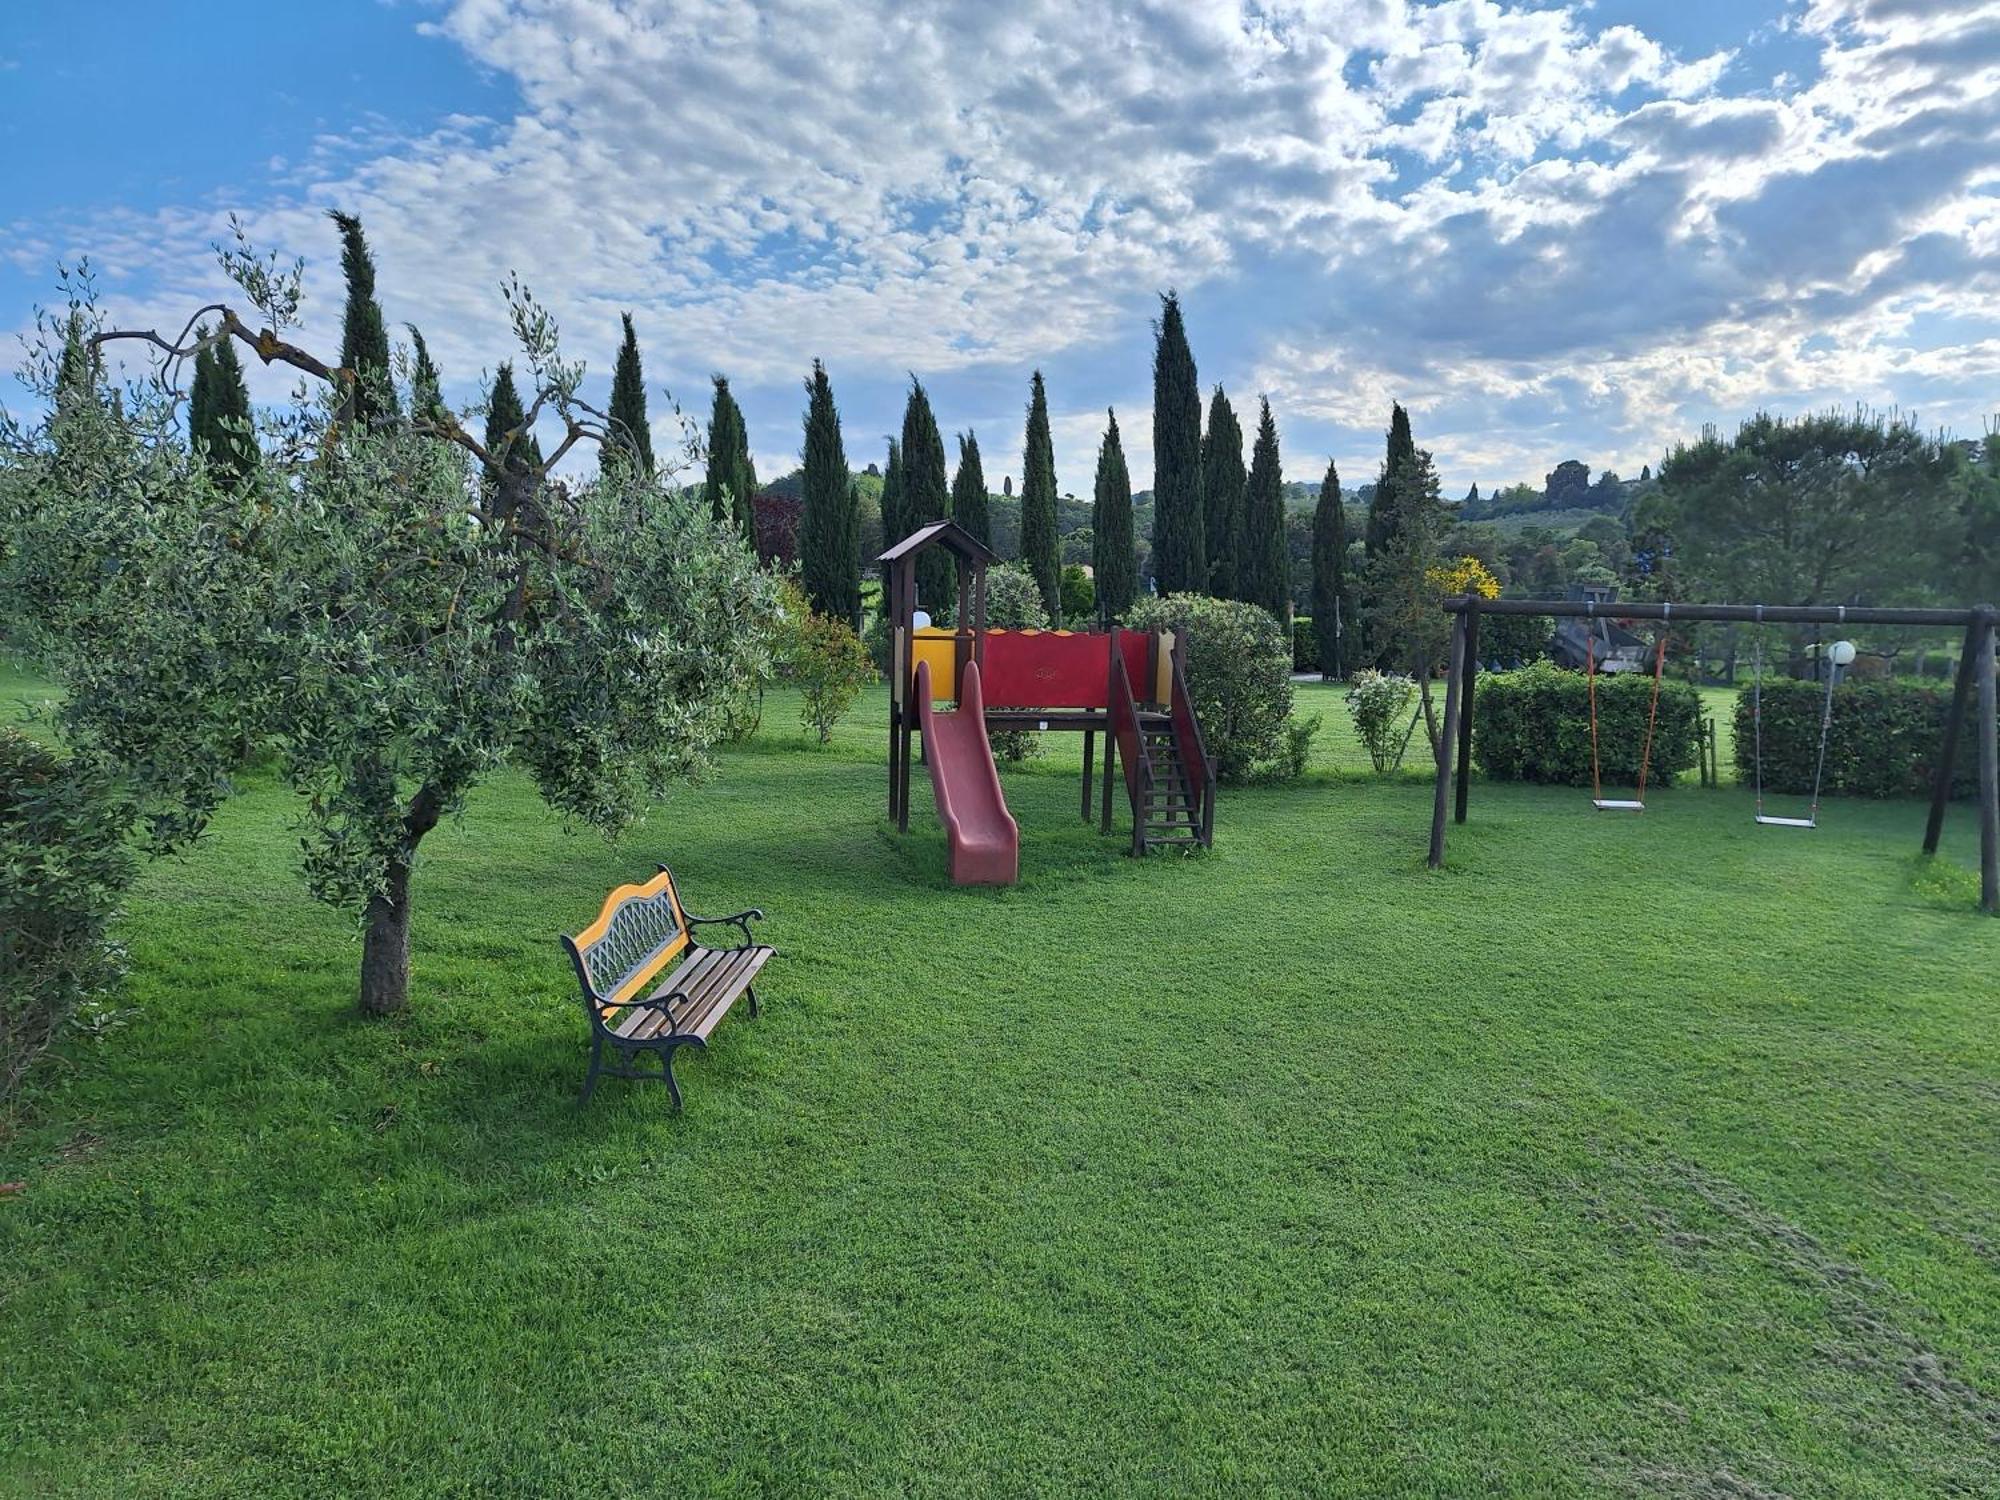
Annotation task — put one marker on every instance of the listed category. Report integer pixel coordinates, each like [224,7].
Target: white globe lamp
[1841,653]
[921,620]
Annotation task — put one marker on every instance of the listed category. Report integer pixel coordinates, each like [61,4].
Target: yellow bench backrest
[640,930]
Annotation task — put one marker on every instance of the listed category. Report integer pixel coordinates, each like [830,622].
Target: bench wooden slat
[713,979]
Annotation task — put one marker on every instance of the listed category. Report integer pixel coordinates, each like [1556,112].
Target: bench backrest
[639,931]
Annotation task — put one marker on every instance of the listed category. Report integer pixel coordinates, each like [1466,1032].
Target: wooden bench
[640,930]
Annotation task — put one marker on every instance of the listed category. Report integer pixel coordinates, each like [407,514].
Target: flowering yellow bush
[1467,575]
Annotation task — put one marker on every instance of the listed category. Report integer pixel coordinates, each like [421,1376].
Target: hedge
[1884,741]
[1305,645]
[1239,676]
[1534,725]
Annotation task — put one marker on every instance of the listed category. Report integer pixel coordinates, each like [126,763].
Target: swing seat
[1771,822]
[1612,804]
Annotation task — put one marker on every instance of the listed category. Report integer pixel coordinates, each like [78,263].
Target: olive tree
[389,605]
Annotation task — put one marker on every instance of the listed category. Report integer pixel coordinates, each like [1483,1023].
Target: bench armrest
[740,920]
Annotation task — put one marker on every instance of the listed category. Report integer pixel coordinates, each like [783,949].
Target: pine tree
[1039,543]
[1113,563]
[1330,607]
[364,337]
[895,518]
[1179,529]
[426,385]
[1222,482]
[1263,572]
[231,443]
[927,497]
[633,435]
[1382,511]
[830,526]
[968,490]
[732,478]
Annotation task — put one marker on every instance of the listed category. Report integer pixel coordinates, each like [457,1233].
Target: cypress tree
[732,478]
[1179,528]
[201,394]
[830,526]
[426,385]
[1383,516]
[1329,594]
[231,443]
[895,519]
[1222,482]
[968,490]
[927,497]
[504,413]
[1039,544]
[1263,574]
[1113,564]
[632,433]
[364,337]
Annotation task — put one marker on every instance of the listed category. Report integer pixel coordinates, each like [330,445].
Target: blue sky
[1553,230]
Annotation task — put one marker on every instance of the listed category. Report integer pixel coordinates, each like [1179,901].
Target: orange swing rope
[1652,717]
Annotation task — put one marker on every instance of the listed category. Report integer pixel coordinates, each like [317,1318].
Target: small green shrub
[1079,597]
[831,667]
[1511,641]
[63,867]
[1305,645]
[1379,703]
[1884,742]
[1534,725]
[1240,678]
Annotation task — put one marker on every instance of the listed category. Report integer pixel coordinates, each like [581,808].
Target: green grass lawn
[1651,1156]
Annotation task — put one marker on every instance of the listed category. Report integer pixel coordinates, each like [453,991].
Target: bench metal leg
[596,1067]
[667,1071]
[750,994]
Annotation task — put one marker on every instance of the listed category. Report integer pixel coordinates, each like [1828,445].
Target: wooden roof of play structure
[947,534]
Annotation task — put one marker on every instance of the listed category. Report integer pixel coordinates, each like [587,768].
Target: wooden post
[1961,692]
[1447,741]
[1989,773]
[1470,674]
[1089,746]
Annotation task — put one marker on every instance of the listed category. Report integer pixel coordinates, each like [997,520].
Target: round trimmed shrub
[1240,678]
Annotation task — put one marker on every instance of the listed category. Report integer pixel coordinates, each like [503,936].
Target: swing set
[1976,676]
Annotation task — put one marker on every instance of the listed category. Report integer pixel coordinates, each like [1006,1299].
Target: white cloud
[1600,247]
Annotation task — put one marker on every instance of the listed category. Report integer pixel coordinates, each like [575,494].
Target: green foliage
[1534,725]
[1514,640]
[426,384]
[219,416]
[824,659]
[1262,574]
[1114,565]
[631,433]
[1079,596]
[1239,673]
[1405,626]
[512,443]
[1827,508]
[731,480]
[64,868]
[1180,531]
[1331,608]
[1305,645]
[968,490]
[1386,511]
[1884,741]
[393,635]
[896,523]
[830,523]
[1379,705]
[927,498]
[1039,536]
[1223,481]
[364,337]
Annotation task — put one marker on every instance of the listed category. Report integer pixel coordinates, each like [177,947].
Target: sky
[1551,230]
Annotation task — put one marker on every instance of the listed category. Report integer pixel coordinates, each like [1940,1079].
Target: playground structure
[1976,668]
[1128,686]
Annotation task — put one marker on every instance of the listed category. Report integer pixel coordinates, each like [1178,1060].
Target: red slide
[984,839]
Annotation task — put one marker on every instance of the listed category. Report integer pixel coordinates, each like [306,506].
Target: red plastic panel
[1138,648]
[1046,669]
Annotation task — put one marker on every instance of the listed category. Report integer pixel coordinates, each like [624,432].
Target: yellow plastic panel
[940,649]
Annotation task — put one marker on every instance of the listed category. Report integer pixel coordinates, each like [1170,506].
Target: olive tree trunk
[385,936]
